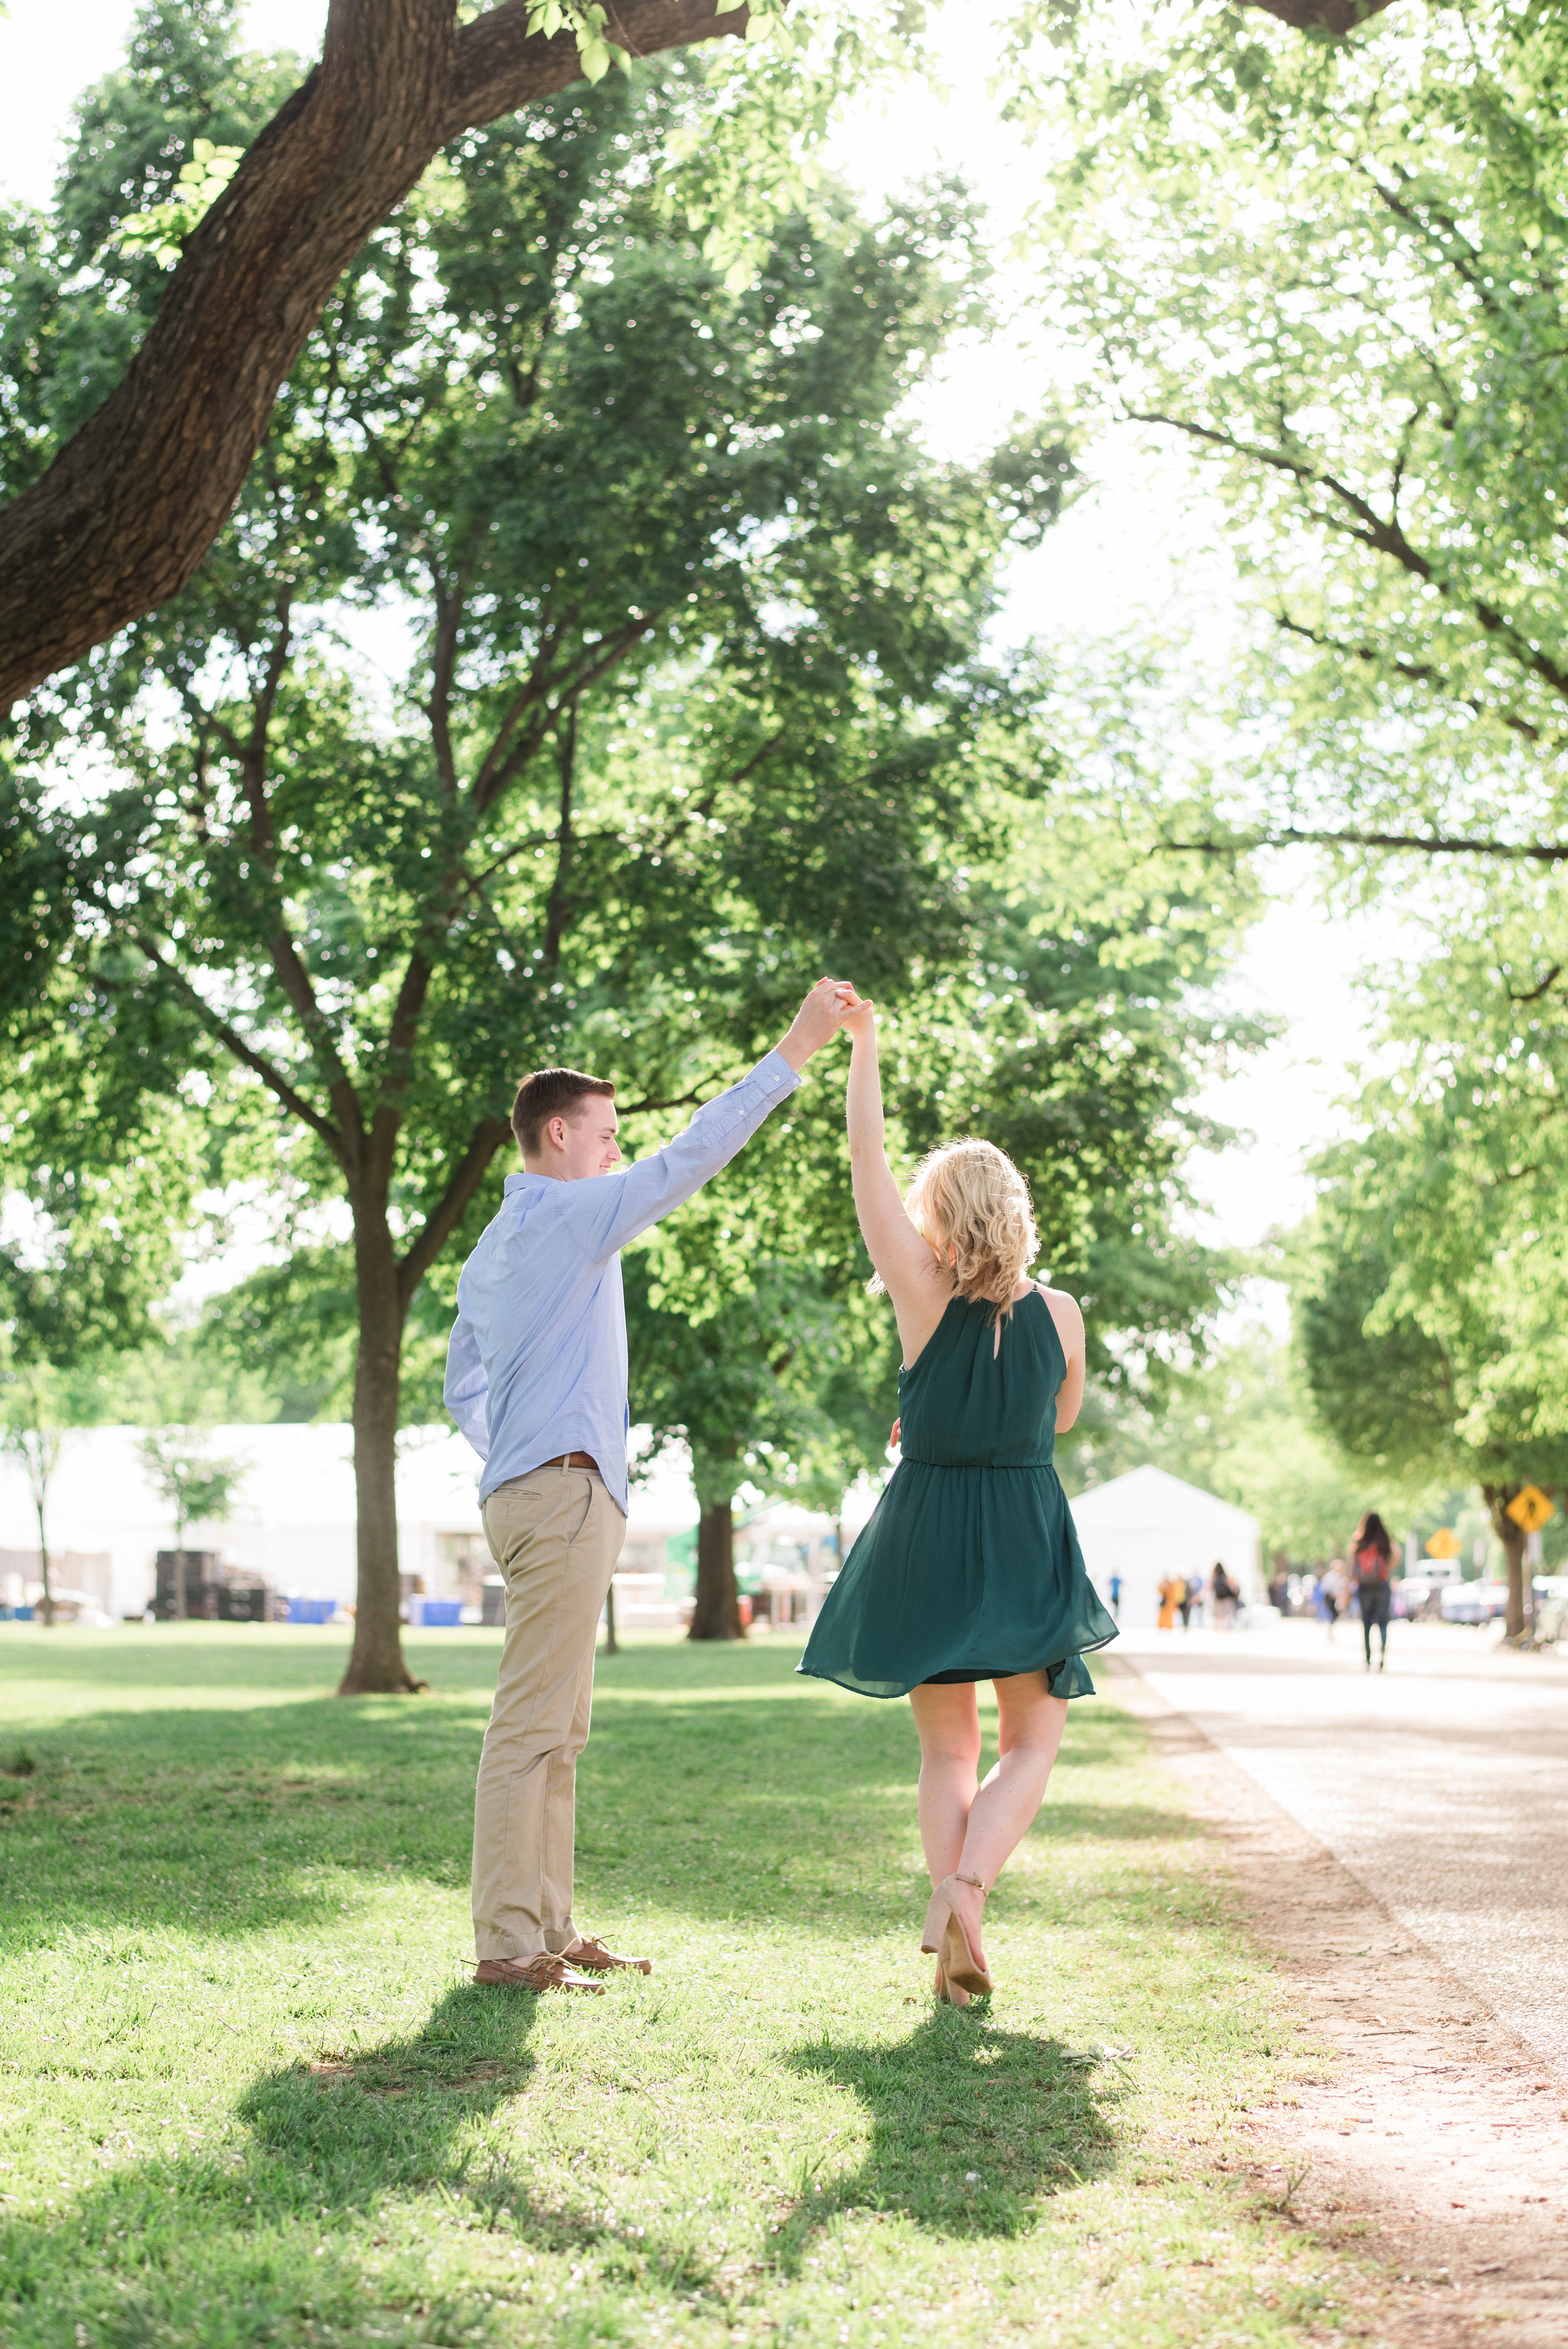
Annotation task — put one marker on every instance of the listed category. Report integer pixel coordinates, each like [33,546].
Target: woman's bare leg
[1032,1722]
[948,1720]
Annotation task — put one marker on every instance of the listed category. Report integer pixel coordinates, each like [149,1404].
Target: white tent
[1148,1524]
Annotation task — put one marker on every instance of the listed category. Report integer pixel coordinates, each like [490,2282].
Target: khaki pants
[556,1535]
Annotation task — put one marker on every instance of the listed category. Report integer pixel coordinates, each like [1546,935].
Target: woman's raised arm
[915,1277]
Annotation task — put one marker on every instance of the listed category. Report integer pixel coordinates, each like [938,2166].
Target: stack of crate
[214,1593]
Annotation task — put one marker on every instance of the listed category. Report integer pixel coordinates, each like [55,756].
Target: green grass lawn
[248,2095]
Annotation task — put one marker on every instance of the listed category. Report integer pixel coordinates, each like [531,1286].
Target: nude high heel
[945,1937]
[948,1992]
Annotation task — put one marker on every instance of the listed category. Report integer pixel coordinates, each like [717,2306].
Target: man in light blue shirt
[537,1379]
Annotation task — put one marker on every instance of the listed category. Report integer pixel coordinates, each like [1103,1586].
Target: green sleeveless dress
[969,1569]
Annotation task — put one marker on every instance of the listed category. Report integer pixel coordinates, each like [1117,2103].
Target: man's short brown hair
[547,1094]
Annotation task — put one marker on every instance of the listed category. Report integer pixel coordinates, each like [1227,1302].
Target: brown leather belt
[572,1460]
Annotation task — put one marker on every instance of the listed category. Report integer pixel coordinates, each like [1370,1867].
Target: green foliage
[1071,1034]
[77,294]
[690,694]
[189,1477]
[1431,1298]
[686,704]
[163,230]
[749,1329]
[92,1244]
[1244,1425]
[1337,274]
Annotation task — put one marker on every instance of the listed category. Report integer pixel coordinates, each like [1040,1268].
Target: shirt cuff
[776,1073]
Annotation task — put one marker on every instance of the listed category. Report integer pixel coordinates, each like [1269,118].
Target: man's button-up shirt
[536,1365]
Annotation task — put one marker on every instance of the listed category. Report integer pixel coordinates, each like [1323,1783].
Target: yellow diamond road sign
[1532,1508]
[1444,1542]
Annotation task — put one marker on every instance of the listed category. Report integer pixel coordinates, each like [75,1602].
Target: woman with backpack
[1371,1562]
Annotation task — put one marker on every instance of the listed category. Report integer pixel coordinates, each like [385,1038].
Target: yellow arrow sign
[1532,1508]
[1444,1542]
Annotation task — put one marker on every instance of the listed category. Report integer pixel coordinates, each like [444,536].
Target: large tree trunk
[134,501]
[375,1665]
[717,1612]
[1512,1537]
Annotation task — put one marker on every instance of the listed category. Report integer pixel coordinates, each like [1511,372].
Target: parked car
[1474,1602]
[1421,1593]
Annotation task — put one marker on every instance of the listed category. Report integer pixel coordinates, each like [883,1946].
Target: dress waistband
[999,1467]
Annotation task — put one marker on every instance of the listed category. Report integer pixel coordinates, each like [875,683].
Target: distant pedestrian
[1184,1604]
[1170,1589]
[1371,1567]
[1225,1594]
[1333,1590]
[1116,1597]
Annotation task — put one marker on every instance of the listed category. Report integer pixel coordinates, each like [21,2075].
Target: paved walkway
[1441,1784]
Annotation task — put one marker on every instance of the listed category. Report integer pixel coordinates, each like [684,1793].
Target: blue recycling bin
[438,1614]
[312,1610]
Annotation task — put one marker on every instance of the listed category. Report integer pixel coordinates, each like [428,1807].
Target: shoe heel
[959,1962]
[937,1916]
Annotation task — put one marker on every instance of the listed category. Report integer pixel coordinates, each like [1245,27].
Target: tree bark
[1513,1551]
[134,501]
[1512,1537]
[717,1612]
[375,1663]
[47,1598]
[1337,16]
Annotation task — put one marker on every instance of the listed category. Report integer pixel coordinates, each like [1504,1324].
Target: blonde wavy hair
[970,1199]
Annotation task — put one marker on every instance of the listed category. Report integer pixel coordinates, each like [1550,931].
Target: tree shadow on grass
[273,2239]
[970,2126]
[230,1822]
[267,2240]
[717,1786]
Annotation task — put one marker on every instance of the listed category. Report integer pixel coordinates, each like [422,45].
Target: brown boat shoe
[546,1971]
[590,1952]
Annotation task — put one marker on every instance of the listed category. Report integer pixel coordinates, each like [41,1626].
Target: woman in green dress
[969,1569]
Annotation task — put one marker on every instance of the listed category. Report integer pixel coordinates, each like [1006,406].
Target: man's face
[584,1143]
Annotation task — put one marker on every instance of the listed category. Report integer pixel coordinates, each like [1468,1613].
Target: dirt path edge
[1438,2142]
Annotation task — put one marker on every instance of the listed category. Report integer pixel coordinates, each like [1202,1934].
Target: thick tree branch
[398,1062]
[288,965]
[501,766]
[134,501]
[1527,852]
[556,908]
[1338,16]
[1369,529]
[271,1075]
[1418,672]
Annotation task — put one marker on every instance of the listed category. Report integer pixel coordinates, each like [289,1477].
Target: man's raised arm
[613,1209]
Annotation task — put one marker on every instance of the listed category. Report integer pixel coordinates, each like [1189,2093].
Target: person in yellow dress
[1172,1590]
